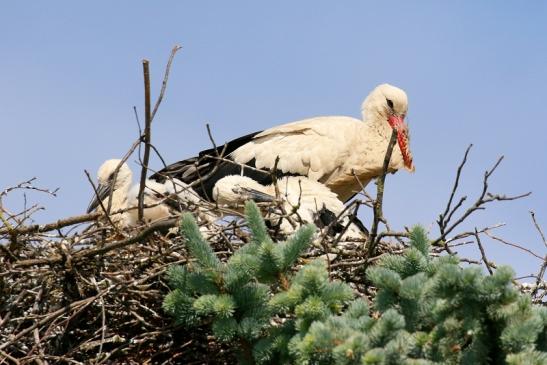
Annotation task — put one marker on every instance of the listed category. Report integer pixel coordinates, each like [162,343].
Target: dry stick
[370,204]
[540,275]
[483,254]
[101,250]
[543,267]
[148,117]
[27,185]
[443,220]
[287,216]
[9,357]
[9,228]
[469,234]
[210,134]
[445,217]
[117,169]
[146,136]
[61,223]
[378,214]
[103,320]
[50,316]
[484,198]
[175,49]
[350,222]
[101,202]
[513,245]
[533,214]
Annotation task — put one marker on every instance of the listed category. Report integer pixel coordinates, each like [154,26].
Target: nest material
[95,295]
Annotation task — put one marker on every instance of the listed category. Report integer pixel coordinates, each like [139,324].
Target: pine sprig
[198,247]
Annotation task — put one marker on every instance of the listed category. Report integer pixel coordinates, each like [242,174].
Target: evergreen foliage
[426,310]
[253,300]
[431,311]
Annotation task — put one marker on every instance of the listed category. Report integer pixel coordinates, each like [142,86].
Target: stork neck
[376,123]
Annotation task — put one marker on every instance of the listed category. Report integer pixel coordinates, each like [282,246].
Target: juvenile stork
[161,200]
[341,152]
[115,185]
[305,200]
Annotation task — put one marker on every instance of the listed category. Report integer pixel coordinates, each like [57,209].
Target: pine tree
[253,300]
[430,311]
[426,310]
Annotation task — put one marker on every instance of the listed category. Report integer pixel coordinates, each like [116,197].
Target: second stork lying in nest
[301,199]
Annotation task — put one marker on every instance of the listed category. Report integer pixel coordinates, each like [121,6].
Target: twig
[484,198]
[483,254]
[210,134]
[543,267]
[146,137]
[533,214]
[165,224]
[175,49]
[378,202]
[513,245]
[148,117]
[107,215]
[540,275]
[103,320]
[442,222]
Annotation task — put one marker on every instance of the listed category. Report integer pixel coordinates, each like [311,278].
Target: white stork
[341,152]
[305,200]
[161,200]
[109,184]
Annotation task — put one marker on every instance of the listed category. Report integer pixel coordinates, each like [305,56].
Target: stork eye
[389,103]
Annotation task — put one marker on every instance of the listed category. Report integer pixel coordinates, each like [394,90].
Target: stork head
[236,189]
[108,181]
[387,106]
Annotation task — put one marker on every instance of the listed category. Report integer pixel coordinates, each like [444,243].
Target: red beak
[397,122]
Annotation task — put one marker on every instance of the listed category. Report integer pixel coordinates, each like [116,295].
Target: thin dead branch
[372,241]
[146,137]
[484,198]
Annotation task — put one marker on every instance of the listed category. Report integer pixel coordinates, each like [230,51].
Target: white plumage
[117,186]
[341,152]
[337,150]
[309,201]
[161,200]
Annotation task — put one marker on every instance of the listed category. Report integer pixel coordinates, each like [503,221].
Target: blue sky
[474,72]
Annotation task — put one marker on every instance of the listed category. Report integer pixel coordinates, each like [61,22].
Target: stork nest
[78,293]
[80,290]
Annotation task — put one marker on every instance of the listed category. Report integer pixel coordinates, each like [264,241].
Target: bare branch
[505,242]
[378,213]
[87,253]
[456,183]
[105,211]
[484,198]
[483,253]
[533,214]
[146,137]
[175,49]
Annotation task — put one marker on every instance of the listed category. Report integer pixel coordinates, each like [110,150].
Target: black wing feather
[204,170]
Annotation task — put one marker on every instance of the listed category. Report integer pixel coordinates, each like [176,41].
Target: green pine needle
[256,223]
[198,247]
